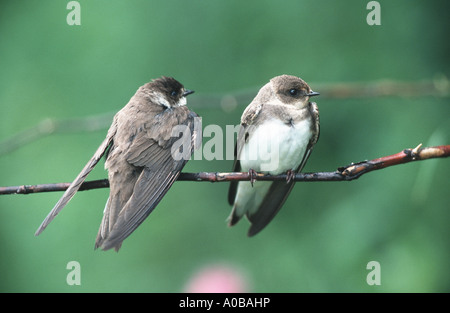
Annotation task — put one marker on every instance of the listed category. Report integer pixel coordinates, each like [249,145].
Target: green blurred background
[323,238]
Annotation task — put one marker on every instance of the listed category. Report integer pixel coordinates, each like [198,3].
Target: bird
[149,142]
[277,133]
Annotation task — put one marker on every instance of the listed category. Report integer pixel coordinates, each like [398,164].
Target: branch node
[417,149]
[24,189]
[413,154]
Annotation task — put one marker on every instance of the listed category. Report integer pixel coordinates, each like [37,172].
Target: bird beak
[187,92]
[313,93]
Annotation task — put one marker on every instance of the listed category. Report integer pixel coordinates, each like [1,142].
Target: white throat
[181,102]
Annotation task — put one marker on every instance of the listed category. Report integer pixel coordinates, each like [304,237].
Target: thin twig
[52,126]
[346,173]
[438,87]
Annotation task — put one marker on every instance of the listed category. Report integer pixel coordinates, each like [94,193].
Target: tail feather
[234,217]
[75,185]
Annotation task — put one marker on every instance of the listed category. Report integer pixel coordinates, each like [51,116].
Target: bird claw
[252,174]
[290,174]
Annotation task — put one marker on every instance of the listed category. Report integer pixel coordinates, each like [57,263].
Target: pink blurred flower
[217,279]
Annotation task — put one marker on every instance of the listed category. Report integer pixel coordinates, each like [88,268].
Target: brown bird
[147,146]
[279,129]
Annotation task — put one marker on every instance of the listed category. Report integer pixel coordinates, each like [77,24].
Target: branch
[346,173]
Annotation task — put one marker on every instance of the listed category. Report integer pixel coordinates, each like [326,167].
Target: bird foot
[252,174]
[290,174]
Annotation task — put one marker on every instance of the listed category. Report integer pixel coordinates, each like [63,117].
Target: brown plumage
[139,158]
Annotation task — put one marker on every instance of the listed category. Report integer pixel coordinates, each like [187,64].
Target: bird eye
[293,92]
[173,93]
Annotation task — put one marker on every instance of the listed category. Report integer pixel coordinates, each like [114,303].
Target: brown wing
[237,164]
[160,170]
[75,185]
[247,120]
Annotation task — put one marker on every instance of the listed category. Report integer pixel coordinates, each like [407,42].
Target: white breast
[276,147]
